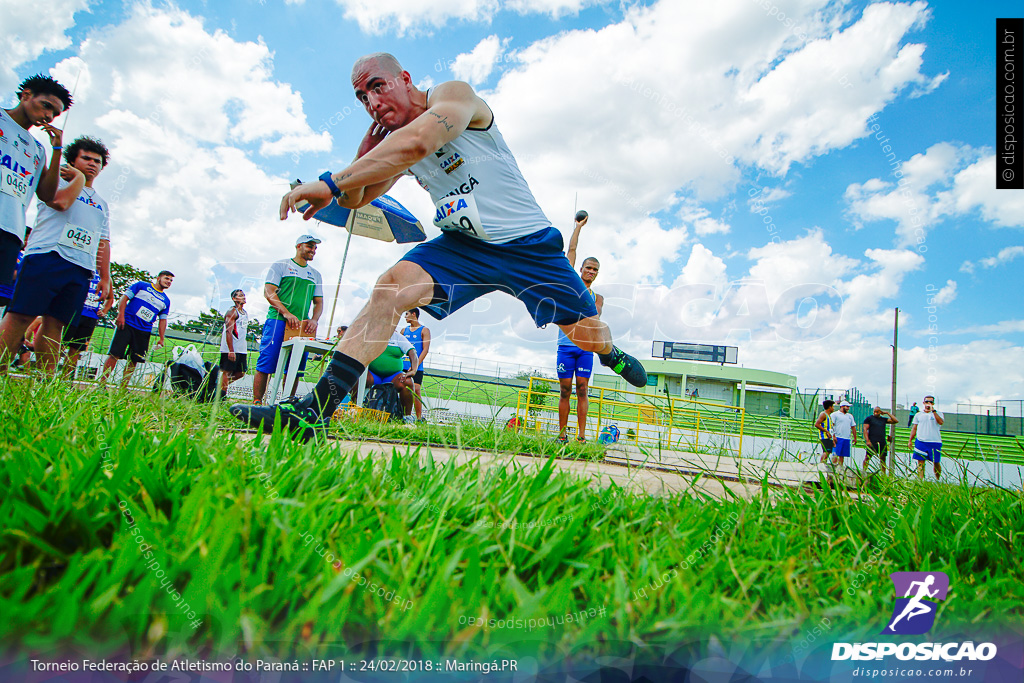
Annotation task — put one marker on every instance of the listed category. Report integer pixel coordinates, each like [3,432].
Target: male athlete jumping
[494,235]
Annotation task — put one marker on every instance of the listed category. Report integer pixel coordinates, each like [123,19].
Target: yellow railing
[654,420]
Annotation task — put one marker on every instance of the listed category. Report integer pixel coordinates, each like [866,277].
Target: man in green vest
[388,367]
[292,286]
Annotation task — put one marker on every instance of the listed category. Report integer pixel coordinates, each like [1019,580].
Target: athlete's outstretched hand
[581,223]
[316,193]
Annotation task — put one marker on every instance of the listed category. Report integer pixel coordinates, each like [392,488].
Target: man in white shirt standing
[23,167]
[71,237]
[925,439]
[234,349]
[846,434]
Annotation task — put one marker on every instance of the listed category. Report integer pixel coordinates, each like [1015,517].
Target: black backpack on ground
[186,381]
[384,397]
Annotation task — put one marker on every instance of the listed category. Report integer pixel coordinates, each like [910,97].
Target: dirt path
[656,478]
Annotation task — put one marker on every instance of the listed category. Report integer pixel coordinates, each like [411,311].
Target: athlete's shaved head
[384,60]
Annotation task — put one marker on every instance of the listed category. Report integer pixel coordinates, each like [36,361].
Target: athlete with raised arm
[494,235]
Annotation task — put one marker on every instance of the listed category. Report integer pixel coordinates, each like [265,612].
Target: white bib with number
[145,314]
[13,184]
[78,237]
[459,213]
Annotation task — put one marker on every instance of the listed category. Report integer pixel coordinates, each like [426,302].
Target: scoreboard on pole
[710,353]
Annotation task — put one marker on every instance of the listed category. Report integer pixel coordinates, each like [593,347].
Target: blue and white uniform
[928,438]
[91,307]
[494,235]
[22,162]
[843,422]
[145,305]
[415,338]
[572,360]
[60,257]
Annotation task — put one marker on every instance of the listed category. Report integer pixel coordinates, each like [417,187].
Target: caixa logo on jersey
[917,598]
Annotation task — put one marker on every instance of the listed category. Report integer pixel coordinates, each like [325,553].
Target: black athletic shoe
[301,421]
[561,439]
[625,366]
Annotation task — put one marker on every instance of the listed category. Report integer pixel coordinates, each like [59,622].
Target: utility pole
[892,428]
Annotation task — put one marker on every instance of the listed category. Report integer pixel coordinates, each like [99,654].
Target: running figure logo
[914,613]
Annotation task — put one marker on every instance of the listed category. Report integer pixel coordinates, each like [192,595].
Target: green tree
[123,276]
[211,322]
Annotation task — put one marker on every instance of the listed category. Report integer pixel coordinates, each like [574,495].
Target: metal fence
[676,423]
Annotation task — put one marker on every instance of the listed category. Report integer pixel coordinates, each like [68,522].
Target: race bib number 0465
[13,184]
[459,213]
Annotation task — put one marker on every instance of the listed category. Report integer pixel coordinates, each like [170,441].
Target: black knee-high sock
[342,374]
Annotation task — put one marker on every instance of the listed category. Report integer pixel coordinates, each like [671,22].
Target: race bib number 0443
[77,237]
[459,213]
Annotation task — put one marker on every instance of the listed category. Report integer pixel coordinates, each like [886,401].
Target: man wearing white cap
[291,286]
[925,438]
[846,427]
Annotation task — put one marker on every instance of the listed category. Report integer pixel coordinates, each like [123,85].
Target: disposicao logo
[917,596]
[914,613]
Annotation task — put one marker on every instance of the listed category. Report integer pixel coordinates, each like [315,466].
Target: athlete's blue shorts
[50,285]
[927,450]
[377,379]
[533,269]
[572,360]
[270,345]
[842,449]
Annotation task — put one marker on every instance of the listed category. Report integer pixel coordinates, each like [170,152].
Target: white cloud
[831,85]
[945,181]
[164,67]
[974,189]
[945,295]
[414,16]
[187,113]
[30,30]
[1001,327]
[761,197]
[670,74]
[553,8]
[906,199]
[1004,256]
[474,67]
[700,218]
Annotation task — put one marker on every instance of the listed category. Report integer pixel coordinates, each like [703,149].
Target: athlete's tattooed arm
[454,105]
[442,121]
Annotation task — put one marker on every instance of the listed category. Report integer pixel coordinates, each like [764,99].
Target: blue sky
[211,107]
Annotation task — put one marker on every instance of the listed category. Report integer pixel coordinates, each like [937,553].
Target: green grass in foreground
[492,437]
[242,549]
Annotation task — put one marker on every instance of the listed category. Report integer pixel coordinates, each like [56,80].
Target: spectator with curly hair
[70,240]
[23,167]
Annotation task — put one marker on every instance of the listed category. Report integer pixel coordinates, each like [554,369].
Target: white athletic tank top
[21,162]
[478,189]
[238,339]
